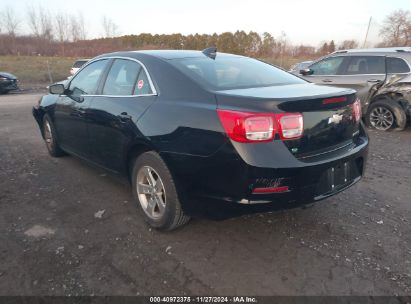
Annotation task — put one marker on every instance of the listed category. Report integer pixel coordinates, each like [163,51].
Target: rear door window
[328,66]
[361,65]
[397,65]
[142,86]
[122,78]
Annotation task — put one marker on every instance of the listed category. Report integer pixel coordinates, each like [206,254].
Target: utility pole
[366,34]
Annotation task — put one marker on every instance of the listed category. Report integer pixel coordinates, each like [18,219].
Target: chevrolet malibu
[186,126]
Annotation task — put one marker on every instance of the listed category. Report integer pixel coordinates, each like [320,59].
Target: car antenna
[210,52]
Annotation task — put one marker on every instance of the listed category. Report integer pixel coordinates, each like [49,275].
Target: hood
[7,75]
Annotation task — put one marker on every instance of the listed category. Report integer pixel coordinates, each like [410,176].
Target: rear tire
[49,135]
[155,191]
[385,115]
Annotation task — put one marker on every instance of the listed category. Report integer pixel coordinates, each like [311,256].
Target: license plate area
[337,177]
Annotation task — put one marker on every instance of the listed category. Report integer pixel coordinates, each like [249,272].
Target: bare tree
[10,21]
[109,27]
[46,23]
[396,29]
[62,27]
[40,22]
[78,27]
[348,44]
[33,21]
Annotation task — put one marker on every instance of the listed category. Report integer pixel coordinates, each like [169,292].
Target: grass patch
[34,69]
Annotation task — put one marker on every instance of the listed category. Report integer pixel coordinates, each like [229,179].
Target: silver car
[381,77]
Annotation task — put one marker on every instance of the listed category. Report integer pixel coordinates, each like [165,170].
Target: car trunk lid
[327,112]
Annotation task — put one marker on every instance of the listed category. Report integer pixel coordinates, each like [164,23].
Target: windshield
[229,72]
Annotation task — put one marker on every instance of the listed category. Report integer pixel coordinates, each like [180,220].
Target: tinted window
[397,65]
[142,86]
[86,81]
[225,72]
[122,77]
[328,66]
[365,65]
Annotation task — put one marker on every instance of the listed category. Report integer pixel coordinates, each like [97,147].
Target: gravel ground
[71,229]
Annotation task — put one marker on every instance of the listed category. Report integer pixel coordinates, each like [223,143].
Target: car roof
[397,50]
[168,54]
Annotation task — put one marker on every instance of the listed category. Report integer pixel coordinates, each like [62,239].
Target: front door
[125,95]
[71,112]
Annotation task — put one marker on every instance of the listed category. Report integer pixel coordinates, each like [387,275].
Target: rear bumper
[8,85]
[229,176]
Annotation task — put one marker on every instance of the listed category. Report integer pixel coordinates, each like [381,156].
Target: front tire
[385,115]
[155,191]
[49,135]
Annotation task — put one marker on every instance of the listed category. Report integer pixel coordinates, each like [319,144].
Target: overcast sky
[303,21]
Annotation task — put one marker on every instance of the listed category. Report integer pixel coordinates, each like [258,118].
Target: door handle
[327,80]
[124,117]
[374,80]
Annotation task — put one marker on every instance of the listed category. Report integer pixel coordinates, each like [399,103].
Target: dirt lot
[52,243]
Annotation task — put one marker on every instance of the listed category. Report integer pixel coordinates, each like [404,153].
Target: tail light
[260,127]
[290,125]
[356,110]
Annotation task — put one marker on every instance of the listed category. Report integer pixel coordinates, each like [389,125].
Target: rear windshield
[78,64]
[225,73]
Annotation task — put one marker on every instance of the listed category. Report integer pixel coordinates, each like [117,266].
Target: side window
[122,78]
[397,65]
[86,81]
[328,66]
[142,86]
[366,65]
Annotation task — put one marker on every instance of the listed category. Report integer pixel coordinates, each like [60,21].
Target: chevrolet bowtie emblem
[335,119]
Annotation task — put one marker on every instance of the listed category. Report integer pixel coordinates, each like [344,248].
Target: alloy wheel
[151,192]
[381,118]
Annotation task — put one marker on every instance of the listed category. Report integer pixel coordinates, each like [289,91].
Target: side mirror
[306,72]
[57,89]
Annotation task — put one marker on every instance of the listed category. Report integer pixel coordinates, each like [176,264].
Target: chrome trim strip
[117,96]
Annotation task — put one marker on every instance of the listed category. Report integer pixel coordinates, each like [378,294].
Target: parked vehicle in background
[381,77]
[77,66]
[296,68]
[188,125]
[8,82]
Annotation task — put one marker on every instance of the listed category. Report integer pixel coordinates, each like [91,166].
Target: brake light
[356,110]
[335,100]
[290,125]
[260,127]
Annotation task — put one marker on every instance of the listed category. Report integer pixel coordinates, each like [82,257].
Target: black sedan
[8,82]
[186,126]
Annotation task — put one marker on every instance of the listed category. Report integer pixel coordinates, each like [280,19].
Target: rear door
[123,97]
[70,116]
[361,73]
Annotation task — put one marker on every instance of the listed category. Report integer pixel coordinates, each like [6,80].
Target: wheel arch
[134,151]
[397,99]
[40,113]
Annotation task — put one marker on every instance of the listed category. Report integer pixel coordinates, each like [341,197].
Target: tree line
[63,34]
